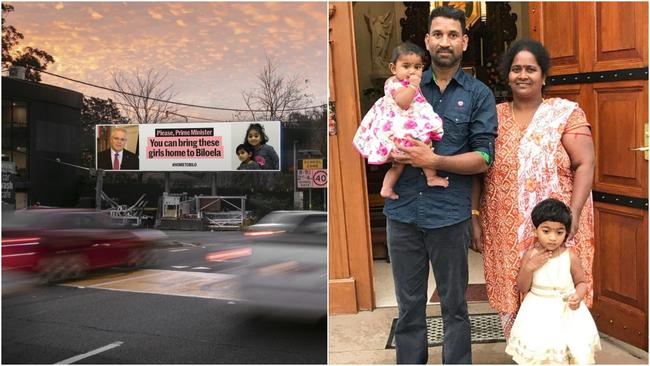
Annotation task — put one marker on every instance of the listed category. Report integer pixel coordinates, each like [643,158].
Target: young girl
[402,112]
[245,155]
[553,324]
[263,154]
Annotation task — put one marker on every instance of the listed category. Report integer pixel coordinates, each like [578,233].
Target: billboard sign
[188,147]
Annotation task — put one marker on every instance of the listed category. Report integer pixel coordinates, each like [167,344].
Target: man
[432,223]
[117,158]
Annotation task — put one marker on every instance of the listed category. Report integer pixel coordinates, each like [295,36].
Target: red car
[60,244]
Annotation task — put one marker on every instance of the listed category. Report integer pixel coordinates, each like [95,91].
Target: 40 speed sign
[312,178]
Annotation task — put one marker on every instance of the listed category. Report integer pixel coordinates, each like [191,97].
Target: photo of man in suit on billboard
[117,157]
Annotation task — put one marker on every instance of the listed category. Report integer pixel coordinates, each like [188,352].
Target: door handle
[643,149]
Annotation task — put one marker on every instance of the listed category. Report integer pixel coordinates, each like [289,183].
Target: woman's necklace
[522,125]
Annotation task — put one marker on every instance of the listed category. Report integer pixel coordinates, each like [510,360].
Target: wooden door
[599,56]
[350,262]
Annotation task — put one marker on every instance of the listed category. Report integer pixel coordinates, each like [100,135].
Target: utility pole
[295,176]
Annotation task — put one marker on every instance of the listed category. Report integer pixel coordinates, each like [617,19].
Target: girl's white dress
[386,124]
[546,330]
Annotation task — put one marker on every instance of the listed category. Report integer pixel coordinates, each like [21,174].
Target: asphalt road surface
[181,311]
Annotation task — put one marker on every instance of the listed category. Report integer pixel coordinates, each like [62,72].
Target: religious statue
[380,28]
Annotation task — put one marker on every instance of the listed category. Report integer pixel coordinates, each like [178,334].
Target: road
[183,310]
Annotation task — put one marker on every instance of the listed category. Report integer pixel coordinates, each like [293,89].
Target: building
[40,125]
[600,57]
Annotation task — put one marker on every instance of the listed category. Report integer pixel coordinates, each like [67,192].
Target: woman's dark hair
[536,48]
[260,129]
[407,48]
[551,209]
[448,12]
[245,147]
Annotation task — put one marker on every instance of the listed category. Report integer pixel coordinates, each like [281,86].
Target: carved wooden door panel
[599,55]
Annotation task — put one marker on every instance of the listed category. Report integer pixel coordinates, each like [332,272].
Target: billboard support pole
[214,184]
[98,189]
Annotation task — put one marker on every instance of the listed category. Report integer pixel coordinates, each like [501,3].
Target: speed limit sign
[319,178]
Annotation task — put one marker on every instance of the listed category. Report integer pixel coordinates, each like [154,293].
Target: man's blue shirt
[468,111]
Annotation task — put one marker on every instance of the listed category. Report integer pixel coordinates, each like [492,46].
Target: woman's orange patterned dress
[530,165]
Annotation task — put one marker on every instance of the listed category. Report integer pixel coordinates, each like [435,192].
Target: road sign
[312,163]
[304,178]
[312,178]
[319,178]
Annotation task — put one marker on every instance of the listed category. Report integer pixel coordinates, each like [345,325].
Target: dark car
[284,262]
[60,244]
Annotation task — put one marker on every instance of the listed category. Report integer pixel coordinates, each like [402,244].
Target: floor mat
[475,292]
[486,328]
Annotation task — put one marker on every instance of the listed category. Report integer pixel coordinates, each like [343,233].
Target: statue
[380,28]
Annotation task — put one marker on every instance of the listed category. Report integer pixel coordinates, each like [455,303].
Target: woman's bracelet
[476,213]
[413,87]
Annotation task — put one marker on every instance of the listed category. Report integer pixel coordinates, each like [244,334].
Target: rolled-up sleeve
[483,126]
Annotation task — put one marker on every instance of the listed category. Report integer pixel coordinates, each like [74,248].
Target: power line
[167,101]
[178,114]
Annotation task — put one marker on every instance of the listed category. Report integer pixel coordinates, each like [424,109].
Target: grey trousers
[411,248]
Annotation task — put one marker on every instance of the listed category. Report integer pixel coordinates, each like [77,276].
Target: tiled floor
[361,338]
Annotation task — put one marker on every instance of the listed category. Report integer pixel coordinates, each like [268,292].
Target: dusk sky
[211,51]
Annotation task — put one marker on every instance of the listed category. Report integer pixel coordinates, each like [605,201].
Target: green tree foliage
[96,111]
[100,111]
[10,36]
[28,56]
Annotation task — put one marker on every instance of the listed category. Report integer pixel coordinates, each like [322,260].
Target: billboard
[212,146]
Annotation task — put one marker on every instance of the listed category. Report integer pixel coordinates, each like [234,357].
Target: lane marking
[200,268]
[178,250]
[88,354]
[180,267]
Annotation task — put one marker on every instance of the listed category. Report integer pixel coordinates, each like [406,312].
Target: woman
[544,149]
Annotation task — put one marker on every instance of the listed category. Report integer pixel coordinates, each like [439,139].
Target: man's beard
[449,61]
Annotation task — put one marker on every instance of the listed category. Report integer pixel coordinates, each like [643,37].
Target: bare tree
[276,95]
[147,95]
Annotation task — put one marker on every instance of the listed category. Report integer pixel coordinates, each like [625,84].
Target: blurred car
[284,262]
[60,244]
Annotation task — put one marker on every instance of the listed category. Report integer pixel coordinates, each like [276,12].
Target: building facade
[40,124]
